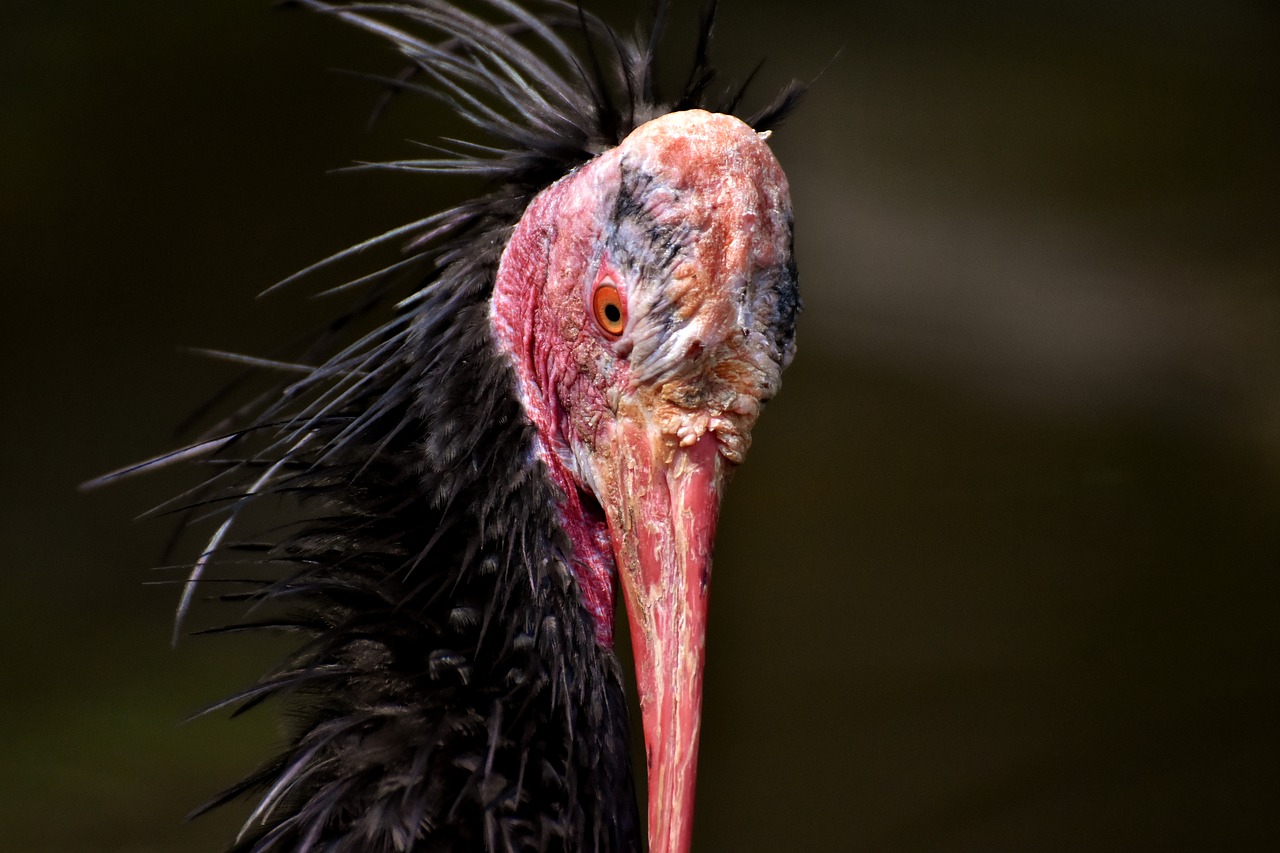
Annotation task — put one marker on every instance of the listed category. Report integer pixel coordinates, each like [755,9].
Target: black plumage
[449,692]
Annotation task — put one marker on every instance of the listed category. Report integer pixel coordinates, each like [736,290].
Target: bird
[538,404]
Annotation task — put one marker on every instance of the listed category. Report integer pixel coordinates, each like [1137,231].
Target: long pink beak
[662,517]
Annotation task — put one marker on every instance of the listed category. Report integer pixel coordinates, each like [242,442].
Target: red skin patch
[548,375]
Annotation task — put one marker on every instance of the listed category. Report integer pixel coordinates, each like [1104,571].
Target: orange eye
[610,313]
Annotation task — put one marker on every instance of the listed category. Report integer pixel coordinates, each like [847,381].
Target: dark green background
[1001,571]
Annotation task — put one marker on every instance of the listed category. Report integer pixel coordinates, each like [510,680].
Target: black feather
[451,693]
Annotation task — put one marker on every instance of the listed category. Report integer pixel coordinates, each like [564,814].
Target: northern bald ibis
[567,371]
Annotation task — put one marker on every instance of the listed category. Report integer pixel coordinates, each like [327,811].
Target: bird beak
[662,507]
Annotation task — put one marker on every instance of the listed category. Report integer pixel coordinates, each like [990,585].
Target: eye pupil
[612,313]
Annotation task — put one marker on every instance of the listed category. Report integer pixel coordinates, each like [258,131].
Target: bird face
[647,302]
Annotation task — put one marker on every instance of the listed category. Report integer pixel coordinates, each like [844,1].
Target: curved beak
[662,504]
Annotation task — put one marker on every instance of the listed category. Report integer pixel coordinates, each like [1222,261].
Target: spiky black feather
[451,693]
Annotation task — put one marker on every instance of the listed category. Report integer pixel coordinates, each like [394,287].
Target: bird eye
[608,309]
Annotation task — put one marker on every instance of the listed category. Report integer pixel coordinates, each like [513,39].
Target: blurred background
[1001,573]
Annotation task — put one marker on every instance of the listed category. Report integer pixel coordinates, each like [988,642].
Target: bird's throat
[517,323]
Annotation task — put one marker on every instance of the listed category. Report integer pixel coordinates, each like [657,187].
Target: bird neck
[519,327]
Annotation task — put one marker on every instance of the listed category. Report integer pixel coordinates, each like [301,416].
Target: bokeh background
[1001,572]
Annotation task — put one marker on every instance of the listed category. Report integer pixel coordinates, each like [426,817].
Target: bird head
[647,302]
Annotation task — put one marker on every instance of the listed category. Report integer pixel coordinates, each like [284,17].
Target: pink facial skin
[689,217]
